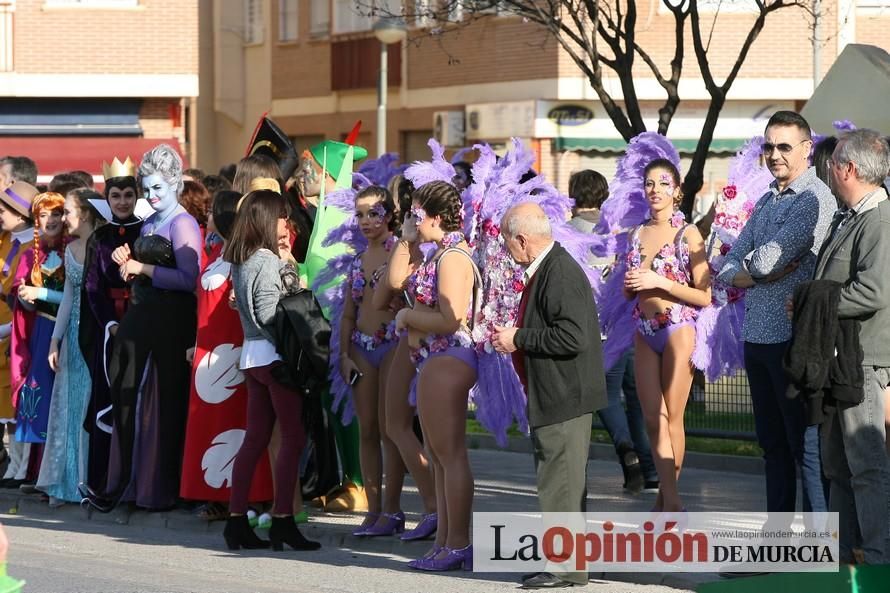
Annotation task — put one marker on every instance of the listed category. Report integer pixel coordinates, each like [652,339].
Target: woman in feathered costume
[664,275]
[367,343]
[399,411]
[496,186]
[396,417]
[442,349]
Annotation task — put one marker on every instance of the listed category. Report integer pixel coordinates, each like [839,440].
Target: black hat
[270,140]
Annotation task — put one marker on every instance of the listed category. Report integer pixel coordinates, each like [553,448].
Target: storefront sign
[570,114]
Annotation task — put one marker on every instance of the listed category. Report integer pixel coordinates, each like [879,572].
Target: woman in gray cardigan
[253,251]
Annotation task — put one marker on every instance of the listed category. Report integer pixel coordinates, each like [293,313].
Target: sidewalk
[504,482]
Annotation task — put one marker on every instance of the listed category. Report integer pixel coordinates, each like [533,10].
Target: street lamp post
[387,30]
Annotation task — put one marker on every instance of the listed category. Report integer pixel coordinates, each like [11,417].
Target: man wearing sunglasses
[776,252]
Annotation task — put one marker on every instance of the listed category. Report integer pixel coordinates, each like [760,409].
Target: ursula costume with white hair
[149,374]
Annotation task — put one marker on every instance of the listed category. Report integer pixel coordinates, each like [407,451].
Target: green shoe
[7,583]
[301,517]
[252,518]
[264,521]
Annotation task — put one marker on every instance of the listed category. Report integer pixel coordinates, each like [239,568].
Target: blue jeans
[627,426]
[782,433]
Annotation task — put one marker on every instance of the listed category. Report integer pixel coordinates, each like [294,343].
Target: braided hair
[44,202]
[441,199]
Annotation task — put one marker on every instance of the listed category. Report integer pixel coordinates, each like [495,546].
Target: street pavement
[70,550]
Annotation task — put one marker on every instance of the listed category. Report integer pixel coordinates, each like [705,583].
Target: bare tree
[601,35]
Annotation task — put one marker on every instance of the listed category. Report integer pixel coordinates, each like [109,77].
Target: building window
[423,10]
[287,19]
[320,18]
[92,3]
[253,22]
[350,18]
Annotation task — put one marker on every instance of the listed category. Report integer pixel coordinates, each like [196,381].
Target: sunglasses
[767,148]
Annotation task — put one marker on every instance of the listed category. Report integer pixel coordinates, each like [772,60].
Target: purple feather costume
[718,330]
[625,208]
[498,395]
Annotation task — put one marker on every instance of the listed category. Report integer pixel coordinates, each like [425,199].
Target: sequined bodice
[356,275]
[74,273]
[671,261]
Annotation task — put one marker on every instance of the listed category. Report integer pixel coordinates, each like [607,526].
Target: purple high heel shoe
[432,553]
[427,527]
[451,560]
[369,521]
[395,523]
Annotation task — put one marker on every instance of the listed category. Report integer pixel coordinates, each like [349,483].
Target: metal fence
[719,410]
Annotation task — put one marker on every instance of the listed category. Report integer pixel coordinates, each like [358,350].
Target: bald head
[526,232]
[526,219]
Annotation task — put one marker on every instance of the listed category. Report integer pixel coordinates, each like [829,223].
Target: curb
[606,452]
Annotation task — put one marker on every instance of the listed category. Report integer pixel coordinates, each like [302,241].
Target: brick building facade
[503,77]
[104,75]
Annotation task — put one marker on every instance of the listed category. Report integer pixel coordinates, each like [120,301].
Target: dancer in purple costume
[399,414]
[443,350]
[367,345]
[667,275]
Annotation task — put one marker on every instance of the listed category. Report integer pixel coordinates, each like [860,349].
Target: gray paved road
[91,557]
[61,551]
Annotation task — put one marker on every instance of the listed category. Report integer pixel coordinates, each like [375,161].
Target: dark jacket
[302,338]
[560,339]
[824,358]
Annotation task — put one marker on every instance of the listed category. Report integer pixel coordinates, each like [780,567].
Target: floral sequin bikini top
[424,282]
[356,275]
[671,261]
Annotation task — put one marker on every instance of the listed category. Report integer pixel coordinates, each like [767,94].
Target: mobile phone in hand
[354,376]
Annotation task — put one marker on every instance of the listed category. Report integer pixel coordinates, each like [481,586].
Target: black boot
[285,531]
[630,465]
[239,534]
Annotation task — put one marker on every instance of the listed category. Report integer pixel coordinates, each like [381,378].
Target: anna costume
[32,377]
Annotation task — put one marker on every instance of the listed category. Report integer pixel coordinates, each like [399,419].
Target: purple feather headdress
[381,170]
[437,169]
[335,295]
[624,209]
[626,205]
[718,337]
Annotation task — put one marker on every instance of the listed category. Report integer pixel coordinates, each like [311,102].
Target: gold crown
[118,169]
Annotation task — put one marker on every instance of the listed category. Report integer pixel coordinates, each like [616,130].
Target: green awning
[718,145]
